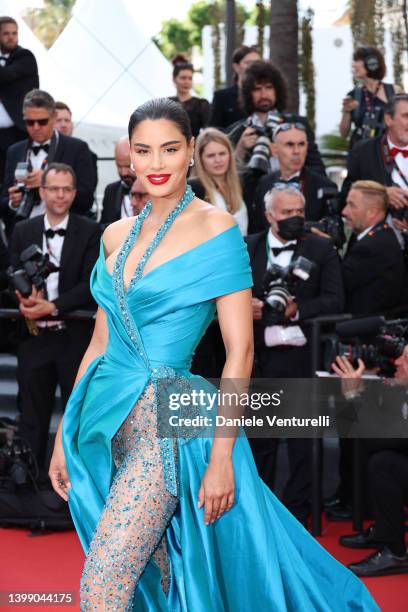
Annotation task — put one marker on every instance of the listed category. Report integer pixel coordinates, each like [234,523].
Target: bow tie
[3,59]
[294,179]
[50,233]
[395,150]
[278,250]
[41,147]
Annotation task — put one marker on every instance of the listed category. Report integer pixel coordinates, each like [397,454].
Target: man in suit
[18,75]
[373,267]
[263,96]
[44,146]
[290,146]
[282,351]
[51,354]
[384,159]
[225,108]
[116,200]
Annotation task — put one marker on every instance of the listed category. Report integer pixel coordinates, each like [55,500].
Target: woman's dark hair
[262,71]
[241,52]
[362,53]
[180,62]
[161,108]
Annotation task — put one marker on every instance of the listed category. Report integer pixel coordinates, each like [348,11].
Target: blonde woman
[215,176]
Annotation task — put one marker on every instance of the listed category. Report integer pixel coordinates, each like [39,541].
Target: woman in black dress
[198,109]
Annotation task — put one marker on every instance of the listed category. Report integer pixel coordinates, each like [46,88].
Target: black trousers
[286,362]
[8,136]
[388,477]
[45,361]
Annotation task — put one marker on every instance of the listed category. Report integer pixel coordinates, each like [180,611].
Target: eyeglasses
[137,195]
[284,127]
[54,189]
[32,122]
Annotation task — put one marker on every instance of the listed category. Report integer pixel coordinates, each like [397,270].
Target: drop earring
[191,164]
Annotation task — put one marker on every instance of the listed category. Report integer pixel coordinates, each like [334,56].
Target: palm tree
[283,45]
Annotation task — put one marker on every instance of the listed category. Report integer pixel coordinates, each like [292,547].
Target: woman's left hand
[216,493]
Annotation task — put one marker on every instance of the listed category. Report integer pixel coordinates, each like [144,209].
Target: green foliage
[367,22]
[260,23]
[199,15]
[48,22]
[307,72]
[174,38]
[333,142]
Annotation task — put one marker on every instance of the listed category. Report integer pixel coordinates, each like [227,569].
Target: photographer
[373,267]
[290,148]
[20,197]
[388,482]
[364,105]
[263,98]
[282,349]
[51,354]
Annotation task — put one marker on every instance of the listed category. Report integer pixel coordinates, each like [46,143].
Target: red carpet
[53,563]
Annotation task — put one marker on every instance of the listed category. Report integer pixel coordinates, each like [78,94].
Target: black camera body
[35,268]
[30,196]
[280,285]
[260,154]
[332,223]
[379,348]
[17,462]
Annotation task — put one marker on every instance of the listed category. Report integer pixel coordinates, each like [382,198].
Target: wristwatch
[55,312]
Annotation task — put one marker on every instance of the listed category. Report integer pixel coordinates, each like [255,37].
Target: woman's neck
[183,97]
[371,84]
[162,207]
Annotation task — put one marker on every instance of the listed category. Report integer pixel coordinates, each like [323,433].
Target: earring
[132,167]
[191,164]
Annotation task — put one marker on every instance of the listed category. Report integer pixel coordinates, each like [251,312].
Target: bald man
[116,200]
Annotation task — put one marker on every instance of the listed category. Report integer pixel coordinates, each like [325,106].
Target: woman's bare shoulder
[212,220]
[115,233]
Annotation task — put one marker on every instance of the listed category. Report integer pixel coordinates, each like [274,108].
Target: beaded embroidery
[166,444]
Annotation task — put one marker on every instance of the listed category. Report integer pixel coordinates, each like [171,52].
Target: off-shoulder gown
[133,496]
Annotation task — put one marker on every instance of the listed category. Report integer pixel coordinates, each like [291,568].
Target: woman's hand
[349,104]
[216,493]
[351,379]
[58,471]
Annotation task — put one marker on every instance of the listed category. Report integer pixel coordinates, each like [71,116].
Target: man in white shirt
[51,355]
[18,75]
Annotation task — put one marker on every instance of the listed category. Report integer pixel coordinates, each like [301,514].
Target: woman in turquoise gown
[176,525]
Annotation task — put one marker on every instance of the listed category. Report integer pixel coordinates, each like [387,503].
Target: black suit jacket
[312,181]
[79,253]
[225,108]
[366,162]
[374,274]
[321,294]
[112,202]
[66,149]
[18,77]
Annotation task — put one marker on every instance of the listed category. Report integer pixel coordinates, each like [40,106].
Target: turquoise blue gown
[257,556]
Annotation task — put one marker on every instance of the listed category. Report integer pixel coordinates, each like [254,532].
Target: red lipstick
[158,179]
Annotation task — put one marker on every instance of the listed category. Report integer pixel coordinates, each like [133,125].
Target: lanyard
[369,97]
[391,163]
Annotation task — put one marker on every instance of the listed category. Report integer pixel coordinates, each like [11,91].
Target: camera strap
[390,163]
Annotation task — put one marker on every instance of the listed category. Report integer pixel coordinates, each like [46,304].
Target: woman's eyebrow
[165,144]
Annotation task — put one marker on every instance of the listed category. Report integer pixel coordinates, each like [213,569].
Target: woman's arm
[235,319]
[58,472]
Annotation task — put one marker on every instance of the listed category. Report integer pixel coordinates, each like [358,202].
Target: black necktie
[50,233]
[37,148]
[278,250]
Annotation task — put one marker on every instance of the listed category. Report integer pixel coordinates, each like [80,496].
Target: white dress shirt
[402,163]
[283,259]
[5,119]
[241,216]
[126,209]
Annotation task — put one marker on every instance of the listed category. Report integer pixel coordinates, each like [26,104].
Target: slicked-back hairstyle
[5,19]
[161,108]
[37,98]
[392,104]
[363,52]
[262,71]
[62,106]
[58,167]
[376,193]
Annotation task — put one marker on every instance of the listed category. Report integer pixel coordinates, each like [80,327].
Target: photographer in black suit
[116,199]
[51,355]
[225,108]
[290,147]
[282,350]
[44,146]
[18,75]
[373,267]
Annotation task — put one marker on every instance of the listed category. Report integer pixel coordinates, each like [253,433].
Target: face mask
[291,228]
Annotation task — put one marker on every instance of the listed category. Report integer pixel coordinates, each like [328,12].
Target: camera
[332,223]
[26,205]
[280,285]
[261,153]
[17,461]
[35,268]
[374,340]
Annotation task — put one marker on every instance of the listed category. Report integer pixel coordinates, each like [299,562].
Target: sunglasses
[284,127]
[32,122]
[287,186]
